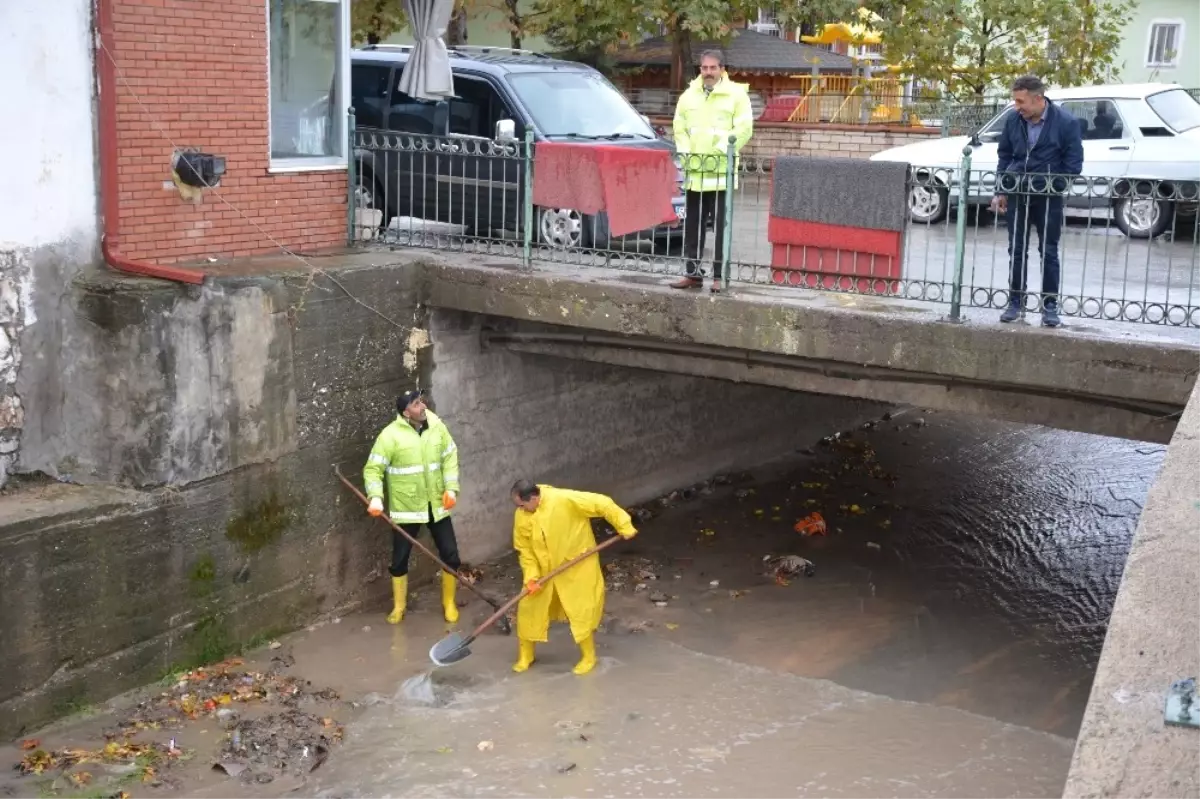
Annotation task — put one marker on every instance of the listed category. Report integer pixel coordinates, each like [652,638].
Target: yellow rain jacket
[702,127]
[559,530]
[419,469]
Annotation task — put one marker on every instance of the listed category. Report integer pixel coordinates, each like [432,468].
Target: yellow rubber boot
[524,655]
[449,585]
[587,648]
[399,599]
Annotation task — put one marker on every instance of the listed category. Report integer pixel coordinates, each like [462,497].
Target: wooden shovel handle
[416,542]
[525,590]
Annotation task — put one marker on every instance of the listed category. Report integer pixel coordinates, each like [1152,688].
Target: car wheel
[1141,217]
[560,228]
[368,196]
[928,205]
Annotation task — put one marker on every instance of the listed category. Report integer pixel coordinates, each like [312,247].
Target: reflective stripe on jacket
[702,127]
[418,469]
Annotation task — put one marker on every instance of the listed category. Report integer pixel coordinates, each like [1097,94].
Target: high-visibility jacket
[418,467]
[702,127]
[559,530]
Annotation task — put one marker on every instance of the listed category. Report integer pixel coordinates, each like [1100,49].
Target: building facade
[1161,43]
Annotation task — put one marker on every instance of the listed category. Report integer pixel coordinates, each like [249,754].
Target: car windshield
[998,122]
[581,104]
[1177,108]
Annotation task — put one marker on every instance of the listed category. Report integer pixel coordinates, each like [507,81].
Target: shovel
[454,647]
[505,627]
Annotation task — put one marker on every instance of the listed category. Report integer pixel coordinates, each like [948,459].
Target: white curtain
[427,74]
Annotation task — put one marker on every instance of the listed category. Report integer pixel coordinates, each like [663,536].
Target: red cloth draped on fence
[632,184]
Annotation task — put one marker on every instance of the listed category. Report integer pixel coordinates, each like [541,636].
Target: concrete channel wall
[198,430]
[1124,748]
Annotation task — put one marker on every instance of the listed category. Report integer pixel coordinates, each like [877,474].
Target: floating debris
[289,742]
[786,566]
[812,524]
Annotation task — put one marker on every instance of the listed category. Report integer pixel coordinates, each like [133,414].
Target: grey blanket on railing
[841,191]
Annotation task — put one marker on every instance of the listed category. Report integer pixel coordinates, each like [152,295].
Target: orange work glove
[533,586]
[376,507]
[449,500]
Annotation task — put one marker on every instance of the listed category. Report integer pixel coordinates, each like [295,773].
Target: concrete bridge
[198,426]
[1096,379]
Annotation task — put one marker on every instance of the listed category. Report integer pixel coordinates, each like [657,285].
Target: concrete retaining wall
[221,413]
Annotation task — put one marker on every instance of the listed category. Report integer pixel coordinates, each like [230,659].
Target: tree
[456,31]
[812,14]
[372,21]
[514,19]
[971,46]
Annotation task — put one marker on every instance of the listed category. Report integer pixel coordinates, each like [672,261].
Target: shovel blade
[450,649]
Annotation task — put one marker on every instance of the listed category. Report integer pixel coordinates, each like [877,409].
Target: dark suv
[459,160]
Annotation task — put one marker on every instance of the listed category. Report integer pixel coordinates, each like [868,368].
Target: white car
[1133,137]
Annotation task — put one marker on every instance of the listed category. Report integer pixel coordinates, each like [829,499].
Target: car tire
[1143,218]
[568,229]
[368,194]
[928,205]
[560,229]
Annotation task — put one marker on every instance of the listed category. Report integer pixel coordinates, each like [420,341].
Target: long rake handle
[412,540]
[525,590]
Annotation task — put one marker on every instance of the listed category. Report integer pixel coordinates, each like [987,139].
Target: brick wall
[199,70]
[831,141]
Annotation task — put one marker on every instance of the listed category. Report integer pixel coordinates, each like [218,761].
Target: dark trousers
[443,539]
[701,206]
[1045,215]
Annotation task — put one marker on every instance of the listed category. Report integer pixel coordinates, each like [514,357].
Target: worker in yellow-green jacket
[710,110]
[551,526]
[416,459]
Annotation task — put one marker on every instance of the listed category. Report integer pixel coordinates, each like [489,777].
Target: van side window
[476,109]
[1099,120]
[368,94]
[409,115]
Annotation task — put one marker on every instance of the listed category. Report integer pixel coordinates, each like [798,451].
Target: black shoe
[1012,313]
[1050,317]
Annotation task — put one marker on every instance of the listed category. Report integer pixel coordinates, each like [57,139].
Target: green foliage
[971,46]
[372,21]
[812,14]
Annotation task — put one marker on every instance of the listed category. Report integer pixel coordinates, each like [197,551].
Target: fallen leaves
[29,744]
[124,752]
[80,778]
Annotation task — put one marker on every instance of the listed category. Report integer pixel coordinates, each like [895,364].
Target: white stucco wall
[46,61]
[48,205]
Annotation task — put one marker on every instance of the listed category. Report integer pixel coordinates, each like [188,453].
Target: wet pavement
[943,646]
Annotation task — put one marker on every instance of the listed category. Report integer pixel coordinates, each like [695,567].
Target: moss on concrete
[259,526]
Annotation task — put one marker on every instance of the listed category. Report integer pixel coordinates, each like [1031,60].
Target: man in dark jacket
[1040,144]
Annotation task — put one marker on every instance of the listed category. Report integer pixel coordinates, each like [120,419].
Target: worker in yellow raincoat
[550,527]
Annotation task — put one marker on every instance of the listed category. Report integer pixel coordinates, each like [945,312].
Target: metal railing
[1129,249]
[864,105]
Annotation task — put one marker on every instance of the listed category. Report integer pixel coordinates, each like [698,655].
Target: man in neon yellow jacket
[551,526]
[418,459]
[712,109]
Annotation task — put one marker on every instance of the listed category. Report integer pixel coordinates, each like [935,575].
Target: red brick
[207,88]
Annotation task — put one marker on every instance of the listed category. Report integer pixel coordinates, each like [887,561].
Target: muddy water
[979,573]
[944,646]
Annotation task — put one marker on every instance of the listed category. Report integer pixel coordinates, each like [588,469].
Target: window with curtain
[1164,43]
[309,55]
